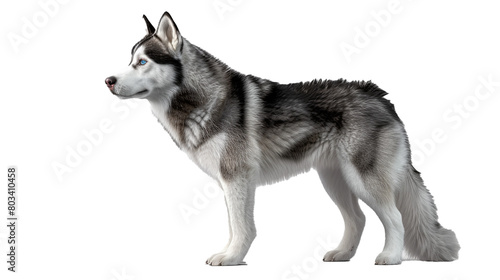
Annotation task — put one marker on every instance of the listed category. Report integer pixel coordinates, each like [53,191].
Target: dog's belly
[276,170]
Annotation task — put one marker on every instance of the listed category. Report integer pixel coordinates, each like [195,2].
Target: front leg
[230,234]
[239,196]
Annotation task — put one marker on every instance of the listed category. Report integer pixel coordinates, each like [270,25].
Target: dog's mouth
[139,94]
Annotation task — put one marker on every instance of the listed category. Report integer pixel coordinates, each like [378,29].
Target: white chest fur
[206,155]
[159,109]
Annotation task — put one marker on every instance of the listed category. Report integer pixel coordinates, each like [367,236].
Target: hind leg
[354,219]
[379,195]
[394,232]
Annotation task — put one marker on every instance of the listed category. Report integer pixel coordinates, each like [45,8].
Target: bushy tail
[425,238]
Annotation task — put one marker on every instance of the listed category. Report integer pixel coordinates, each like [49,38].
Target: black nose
[110,81]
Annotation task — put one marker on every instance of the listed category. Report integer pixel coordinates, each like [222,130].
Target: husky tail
[424,239]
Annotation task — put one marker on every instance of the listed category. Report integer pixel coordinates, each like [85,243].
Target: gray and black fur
[245,131]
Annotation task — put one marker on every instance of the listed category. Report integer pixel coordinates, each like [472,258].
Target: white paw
[225,259]
[339,255]
[388,258]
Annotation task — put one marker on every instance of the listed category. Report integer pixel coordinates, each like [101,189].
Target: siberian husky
[246,131]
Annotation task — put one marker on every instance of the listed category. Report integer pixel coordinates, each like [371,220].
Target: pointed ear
[169,33]
[151,28]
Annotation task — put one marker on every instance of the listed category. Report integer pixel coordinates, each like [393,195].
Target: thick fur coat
[245,131]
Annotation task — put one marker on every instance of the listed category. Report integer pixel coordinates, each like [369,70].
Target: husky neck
[193,111]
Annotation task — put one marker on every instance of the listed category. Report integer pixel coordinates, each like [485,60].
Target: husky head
[155,67]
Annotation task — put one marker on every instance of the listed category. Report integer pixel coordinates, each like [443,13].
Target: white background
[117,214]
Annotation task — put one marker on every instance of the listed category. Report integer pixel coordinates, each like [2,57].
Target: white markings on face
[131,82]
[144,78]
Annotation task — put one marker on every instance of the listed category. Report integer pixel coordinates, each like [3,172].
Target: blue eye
[142,62]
